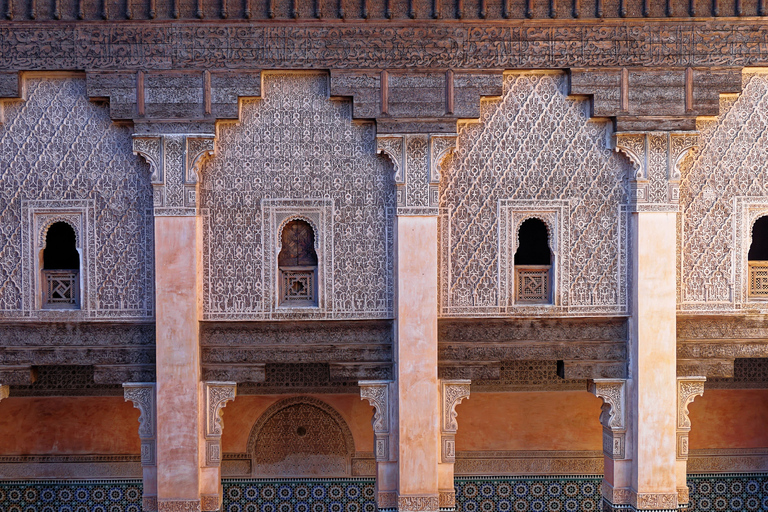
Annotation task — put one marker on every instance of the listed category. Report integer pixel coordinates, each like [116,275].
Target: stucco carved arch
[291,218]
[69,220]
[547,220]
[317,410]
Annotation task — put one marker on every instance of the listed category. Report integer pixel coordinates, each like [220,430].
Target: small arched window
[533,263]
[758,259]
[297,265]
[61,268]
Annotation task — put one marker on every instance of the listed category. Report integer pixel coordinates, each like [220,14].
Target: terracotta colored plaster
[729,418]
[68,426]
[557,420]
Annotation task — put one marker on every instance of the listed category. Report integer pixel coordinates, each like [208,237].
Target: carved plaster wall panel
[537,145]
[556,215]
[301,436]
[297,146]
[723,189]
[62,155]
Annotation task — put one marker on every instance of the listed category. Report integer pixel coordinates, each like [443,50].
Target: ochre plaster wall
[240,415]
[555,420]
[729,418]
[68,425]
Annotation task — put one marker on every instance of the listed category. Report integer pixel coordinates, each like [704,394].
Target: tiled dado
[722,492]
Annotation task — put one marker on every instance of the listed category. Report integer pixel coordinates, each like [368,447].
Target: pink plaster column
[173,159]
[416,390]
[652,386]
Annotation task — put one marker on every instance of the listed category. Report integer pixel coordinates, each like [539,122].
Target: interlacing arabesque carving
[534,144]
[301,436]
[418,503]
[721,183]
[613,415]
[296,144]
[55,141]
[143,396]
[217,394]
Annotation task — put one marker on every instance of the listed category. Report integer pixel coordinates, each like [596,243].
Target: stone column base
[149,503]
[178,505]
[610,507]
[210,502]
[418,503]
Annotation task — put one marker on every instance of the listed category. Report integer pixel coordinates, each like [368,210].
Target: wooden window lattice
[533,284]
[297,263]
[758,279]
[297,286]
[61,288]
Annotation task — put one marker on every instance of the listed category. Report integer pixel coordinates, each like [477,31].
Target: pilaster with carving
[174,161]
[143,396]
[452,393]
[217,394]
[614,419]
[376,392]
[654,184]
[688,388]
[416,159]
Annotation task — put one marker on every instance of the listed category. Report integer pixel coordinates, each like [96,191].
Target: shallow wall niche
[301,436]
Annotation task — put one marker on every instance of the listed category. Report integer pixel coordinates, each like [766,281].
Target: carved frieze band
[178,506]
[452,392]
[655,180]
[688,388]
[217,394]
[416,159]
[377,394]
[429,503]
[143,395]
[174,161]
[613,415]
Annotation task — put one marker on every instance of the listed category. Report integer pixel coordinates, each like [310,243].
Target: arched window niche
[533,263]
[297,265]
[60,268]
[758,259]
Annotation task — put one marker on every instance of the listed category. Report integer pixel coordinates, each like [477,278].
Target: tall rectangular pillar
[415,418]
[652,384]
[178,251]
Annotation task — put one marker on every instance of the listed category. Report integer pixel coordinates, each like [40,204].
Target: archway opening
[533,263]
[61,268]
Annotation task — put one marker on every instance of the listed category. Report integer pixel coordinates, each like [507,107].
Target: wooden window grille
[758,279]
[62,288]
[533,284]
[297,263]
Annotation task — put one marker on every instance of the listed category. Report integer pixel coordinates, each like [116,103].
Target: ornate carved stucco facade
[396,153]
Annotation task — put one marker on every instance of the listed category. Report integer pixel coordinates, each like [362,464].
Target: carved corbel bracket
[656,158]
[688,388]
[143,396]
[452,392]
[393,146]
[150,147]
[216,394]
[4,392]
[440,146]
[613,415]
[174,161]
[376,392]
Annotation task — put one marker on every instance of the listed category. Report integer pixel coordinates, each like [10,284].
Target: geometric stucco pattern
[295,144]
[58,149]
[724,187]
[533,144]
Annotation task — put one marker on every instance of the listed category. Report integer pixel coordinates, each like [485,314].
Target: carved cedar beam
[415,101]
[177,96]
[655,99]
